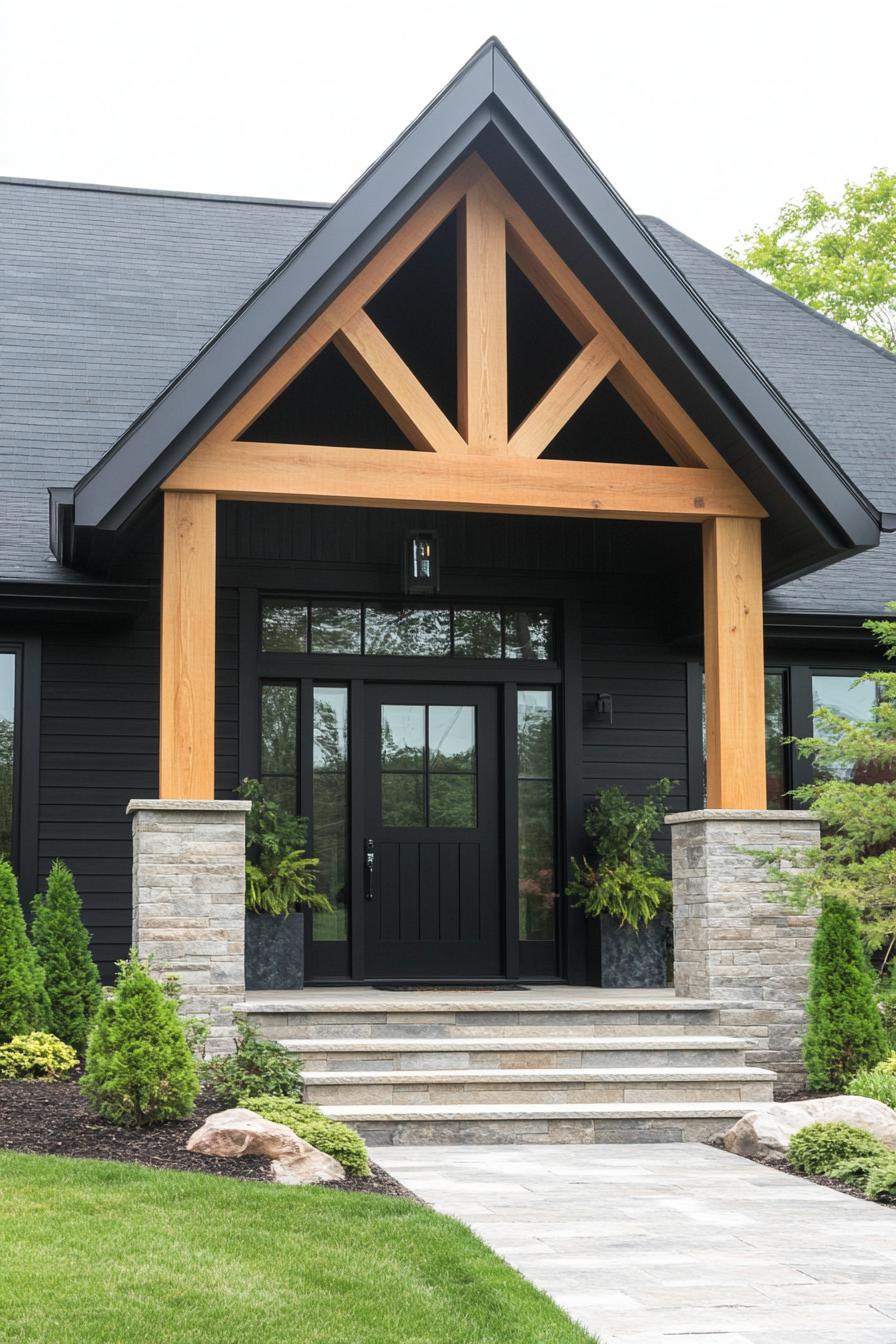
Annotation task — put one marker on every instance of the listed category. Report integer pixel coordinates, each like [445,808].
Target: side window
[8,817]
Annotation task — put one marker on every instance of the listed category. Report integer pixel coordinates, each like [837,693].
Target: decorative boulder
[240,1132]
[767,1131]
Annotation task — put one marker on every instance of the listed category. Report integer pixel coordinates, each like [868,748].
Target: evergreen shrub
[818,1150]
[24,1006]
[310,1124]
[139,1069]
[845,1031]
[62,944]
[257,1065]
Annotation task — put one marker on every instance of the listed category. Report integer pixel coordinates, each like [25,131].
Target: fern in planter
[625,879]
[280,877]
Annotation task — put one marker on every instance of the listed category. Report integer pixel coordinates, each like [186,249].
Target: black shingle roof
[106,294]
[841,385]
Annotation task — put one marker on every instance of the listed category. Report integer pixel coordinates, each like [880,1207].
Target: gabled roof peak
[492,108]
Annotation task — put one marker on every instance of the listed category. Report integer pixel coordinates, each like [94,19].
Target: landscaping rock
[313,1167]
[767,1131]
[240,1133]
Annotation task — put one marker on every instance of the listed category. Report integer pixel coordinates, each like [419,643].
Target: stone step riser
[343,1026]
[512,1093]
[383,1060]
[559,1130]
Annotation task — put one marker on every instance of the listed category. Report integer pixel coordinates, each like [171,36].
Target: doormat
[454,988]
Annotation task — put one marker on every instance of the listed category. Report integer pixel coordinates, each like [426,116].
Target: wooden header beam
[374,478]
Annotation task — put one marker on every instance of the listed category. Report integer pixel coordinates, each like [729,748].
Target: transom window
[387,629]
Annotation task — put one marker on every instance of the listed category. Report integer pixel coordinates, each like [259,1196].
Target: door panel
[431,798]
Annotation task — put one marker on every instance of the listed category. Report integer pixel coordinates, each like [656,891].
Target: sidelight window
[7,751]
[536,813]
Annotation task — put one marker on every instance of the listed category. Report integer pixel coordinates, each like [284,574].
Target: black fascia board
[490,92]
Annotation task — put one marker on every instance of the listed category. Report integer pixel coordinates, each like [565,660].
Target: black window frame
[26,759]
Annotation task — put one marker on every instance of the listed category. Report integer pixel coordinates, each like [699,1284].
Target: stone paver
[672,1242]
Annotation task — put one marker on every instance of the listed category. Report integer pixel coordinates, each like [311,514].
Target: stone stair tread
[631,1110]
[493,1003]
[320,1045]
[410,1077]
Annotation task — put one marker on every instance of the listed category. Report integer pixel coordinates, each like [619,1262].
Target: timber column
[189,902]
[733,943]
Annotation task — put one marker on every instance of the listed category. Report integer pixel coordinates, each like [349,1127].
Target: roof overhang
[816,513]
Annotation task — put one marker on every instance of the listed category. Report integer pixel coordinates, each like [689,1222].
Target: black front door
[433,887]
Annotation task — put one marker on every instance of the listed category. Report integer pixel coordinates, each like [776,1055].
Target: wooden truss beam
[385,373]
[563,398]
[482,323]
[302,473]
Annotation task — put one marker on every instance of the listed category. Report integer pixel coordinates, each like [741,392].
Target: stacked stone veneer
[189,902]
[733,943]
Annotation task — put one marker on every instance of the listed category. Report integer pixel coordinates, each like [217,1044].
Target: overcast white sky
[709,114]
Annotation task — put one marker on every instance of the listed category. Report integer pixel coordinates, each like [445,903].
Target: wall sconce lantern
[597,710]
[420,563]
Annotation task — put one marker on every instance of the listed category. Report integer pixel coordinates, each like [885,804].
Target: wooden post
[187,700]
[482,324]
[734,662]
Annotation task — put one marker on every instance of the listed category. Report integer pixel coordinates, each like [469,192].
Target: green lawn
[111,1253]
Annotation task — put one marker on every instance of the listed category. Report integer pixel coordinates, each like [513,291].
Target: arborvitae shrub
[139,1068]
[845,1031]
[24,1006]
[63,949]
[330,1136]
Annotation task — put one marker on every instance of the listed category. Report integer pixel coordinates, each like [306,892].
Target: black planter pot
[634,960]
[275,951]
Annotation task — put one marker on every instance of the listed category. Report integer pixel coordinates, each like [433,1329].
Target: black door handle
[368,869]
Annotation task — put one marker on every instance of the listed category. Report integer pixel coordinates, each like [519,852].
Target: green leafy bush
[330,1136]
[62,945]
[36,1055]
[280,877]
[625,879]
[818,1150]
[24,1006]
[845,1031]
[879,1084]
[139,1068]
[256,1065]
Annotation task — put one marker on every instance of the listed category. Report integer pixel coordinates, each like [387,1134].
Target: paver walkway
[672,1242]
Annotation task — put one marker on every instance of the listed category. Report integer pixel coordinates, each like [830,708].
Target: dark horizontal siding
[99,748]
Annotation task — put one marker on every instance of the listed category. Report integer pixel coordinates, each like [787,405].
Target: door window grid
[382,629]
[428,765]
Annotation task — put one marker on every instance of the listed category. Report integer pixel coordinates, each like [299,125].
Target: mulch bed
[53,1119]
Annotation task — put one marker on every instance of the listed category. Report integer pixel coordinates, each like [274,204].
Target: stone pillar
[735,945]
[189,902]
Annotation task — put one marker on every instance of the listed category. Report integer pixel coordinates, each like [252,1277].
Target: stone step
[340,1054]
[500,1015]
[593,1122]
[511,1087]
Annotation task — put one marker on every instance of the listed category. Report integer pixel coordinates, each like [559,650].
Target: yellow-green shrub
[36,1054]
